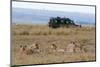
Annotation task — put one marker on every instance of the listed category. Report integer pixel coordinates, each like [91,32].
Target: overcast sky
[57,7]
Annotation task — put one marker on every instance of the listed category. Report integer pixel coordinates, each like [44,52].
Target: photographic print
[52,33]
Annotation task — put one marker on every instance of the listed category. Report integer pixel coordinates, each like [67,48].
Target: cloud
[57,7]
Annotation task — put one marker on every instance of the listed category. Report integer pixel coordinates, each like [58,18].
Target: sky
[55,7]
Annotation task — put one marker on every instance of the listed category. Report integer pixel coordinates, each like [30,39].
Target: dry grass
[45,30]
[44,36]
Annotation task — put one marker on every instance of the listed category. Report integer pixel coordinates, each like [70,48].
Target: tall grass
[44,30]
[44,36]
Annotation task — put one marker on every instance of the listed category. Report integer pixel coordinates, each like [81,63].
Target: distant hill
[36,16]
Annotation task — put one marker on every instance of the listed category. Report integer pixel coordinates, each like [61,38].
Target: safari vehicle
[56,22]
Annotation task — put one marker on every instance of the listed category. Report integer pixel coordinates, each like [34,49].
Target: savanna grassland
[45,36]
